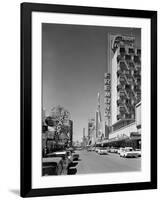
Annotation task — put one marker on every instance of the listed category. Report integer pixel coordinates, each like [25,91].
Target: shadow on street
[73,164]
[72,171]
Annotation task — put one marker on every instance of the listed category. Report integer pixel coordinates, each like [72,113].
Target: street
[91,162]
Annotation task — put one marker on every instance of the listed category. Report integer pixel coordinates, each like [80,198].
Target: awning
[135,138]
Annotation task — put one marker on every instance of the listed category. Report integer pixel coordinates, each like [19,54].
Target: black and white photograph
[88,100]
[91,99]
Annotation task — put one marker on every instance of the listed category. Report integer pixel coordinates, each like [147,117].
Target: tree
[59,113]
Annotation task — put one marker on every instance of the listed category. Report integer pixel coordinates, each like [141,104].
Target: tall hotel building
[125,79]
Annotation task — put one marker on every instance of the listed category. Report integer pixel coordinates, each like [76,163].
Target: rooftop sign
[122,40]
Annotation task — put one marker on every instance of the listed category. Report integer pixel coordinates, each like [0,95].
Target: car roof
[51,159]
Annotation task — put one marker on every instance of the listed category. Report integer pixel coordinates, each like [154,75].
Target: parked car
[139,152]
[65,159]
[52,166]
[75,156]
[128,152]
[103,151]
[113,150]
[89,149]
[120,150]
[97,149]
[78,148]
[70,156]
[93,148]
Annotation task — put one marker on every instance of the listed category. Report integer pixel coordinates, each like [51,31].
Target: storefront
[134,140]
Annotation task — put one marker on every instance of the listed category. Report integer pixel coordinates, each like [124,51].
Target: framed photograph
[88,99]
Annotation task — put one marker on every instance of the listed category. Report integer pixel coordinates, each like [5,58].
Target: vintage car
[113,150]
[70,156]
[103,151]
[139,152]
[75,156]
[120,150]
[93,148]
[97,149]
[128,152]
[89,149]
[52,166]
[64,156]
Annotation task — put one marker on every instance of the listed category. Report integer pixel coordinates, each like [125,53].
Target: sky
[74,60]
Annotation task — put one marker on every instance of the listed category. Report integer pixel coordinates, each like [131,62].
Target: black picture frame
[26,103]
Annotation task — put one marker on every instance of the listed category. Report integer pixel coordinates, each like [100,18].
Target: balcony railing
[136,73]
[127,72]
[137,88]
[123,65]
[131,65]
[119,72]
[129,80]
[131,51]
[122,94]
[126,93]
[126,108]
[122,109]
[138,94]
[138,52]
[122,50]
[128,57]
[132,110]
[121,79]
[120,102]
[137,81]
[120,58]
[137,60]
[120,87]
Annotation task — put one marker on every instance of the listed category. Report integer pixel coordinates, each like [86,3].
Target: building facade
[84,139]
[99,125]
[125,86]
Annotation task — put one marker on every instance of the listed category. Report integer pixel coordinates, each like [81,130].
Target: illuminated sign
[107,97]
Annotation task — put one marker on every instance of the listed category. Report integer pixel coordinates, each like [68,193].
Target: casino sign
[122,40]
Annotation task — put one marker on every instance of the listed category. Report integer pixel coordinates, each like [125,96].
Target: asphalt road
[91,162]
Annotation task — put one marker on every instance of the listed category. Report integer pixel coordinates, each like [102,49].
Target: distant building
[84,139]
[98,121]
[76,143]
[91,132]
